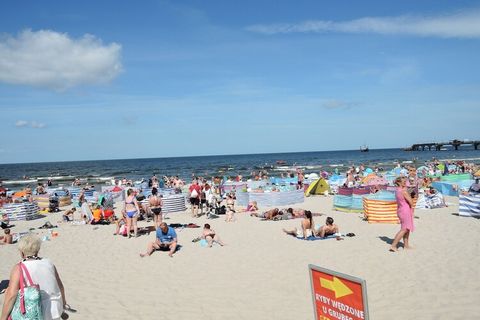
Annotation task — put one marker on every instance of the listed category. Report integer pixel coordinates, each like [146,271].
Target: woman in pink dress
[405,214]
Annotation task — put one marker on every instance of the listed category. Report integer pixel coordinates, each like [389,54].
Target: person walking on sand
[405,214]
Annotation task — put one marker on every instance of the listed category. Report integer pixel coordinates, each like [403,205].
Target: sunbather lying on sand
[209,235]
[252,207]
[267,215]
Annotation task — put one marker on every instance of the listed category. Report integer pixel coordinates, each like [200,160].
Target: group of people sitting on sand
[308,229]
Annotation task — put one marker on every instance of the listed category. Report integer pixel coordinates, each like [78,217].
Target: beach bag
[28,305]
[194,193]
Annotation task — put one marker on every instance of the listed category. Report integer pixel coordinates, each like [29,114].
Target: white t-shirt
[43,273]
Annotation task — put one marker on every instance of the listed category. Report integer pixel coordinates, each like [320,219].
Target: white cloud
[54,60]
[37,125]
[21,123]
[457,25]
[31,124]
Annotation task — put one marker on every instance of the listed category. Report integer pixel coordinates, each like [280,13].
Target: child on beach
[121,222]
[210,236]
[7,239]
[68,215]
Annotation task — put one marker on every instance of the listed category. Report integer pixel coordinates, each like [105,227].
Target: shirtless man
[328,229]
[268,215]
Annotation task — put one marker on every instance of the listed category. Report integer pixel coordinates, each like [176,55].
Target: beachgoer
[43,273]
[68,215]
[210,236]
[252,207]
[155,204]
[40,189]
[329,229]
[194,191]
[121,222]
[132,211]
[98,217]
[7,238]
[165,240]
[267,215]
[405,214]
[306,227]
[230,213]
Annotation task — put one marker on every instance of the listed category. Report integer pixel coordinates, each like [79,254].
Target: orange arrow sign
[337,286]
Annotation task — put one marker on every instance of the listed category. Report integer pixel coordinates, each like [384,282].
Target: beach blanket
[312,238]
[289,217]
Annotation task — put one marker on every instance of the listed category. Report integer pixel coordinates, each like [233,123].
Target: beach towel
[312,238]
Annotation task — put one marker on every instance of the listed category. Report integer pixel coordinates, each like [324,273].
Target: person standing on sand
[194,191]
[155,204]
[405,214]
[132,211]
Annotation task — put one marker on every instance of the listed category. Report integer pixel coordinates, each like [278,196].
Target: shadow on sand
[389,241]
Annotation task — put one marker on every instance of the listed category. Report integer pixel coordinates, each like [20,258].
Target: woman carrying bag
[35,289]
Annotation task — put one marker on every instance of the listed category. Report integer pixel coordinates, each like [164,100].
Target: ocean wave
[28,181]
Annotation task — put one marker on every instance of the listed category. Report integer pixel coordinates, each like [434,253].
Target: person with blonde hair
[43,273]
[405,214]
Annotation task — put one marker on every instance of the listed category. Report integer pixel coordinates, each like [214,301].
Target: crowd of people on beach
[206,198]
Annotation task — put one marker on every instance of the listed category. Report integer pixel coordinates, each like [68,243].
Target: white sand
[262,273]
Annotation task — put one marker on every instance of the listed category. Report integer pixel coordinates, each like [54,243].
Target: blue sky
[124,79]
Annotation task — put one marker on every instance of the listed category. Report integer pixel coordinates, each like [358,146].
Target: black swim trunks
[157,210]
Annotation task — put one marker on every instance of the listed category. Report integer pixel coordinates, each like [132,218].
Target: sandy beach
[262,273]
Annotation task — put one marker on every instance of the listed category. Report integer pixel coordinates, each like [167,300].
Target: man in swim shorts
[166,240]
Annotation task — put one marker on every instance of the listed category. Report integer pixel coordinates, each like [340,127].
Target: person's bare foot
[392,249]
[408,248]
[142,255]
[339,238]
[170,255]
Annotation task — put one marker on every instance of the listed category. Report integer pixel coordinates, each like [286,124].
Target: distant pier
[439,145]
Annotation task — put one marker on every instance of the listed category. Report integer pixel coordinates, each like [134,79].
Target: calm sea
[99,171]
